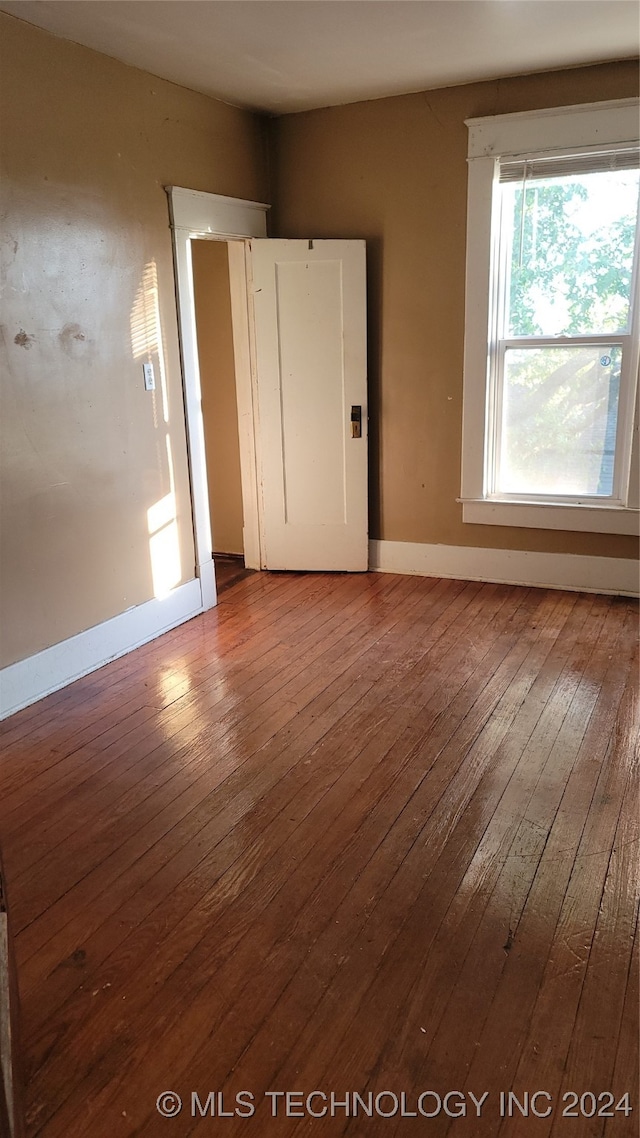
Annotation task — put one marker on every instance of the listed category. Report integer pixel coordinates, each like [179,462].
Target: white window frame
[522,136]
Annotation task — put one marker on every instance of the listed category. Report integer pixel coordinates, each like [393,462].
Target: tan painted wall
[218,381]
[394,172]
[87,146]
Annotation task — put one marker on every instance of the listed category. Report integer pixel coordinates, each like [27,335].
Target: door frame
[195,215]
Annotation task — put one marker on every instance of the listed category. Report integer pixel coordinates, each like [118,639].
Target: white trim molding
[201,214]
[29,680]
[613,575]
[552,515]
[198,215]
[554,128]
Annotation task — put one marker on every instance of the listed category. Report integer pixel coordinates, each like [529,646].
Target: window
[551,347]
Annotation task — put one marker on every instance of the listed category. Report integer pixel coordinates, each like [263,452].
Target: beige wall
[87,294]
[212,295]
[394,172]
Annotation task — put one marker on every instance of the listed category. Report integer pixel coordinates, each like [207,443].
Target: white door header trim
[203,214]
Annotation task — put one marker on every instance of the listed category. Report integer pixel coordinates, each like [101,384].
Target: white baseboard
[613,575]
[30,680]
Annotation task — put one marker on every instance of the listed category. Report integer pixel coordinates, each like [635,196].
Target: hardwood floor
[229,568]
[344,833]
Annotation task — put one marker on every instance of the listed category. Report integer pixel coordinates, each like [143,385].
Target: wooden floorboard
[343,833]
[229,569]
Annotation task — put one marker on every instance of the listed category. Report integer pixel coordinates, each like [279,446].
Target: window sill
[561,516]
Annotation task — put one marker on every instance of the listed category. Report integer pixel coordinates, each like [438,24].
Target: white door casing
[195,214]
[310,342]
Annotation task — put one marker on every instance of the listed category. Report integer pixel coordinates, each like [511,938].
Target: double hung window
[551,350]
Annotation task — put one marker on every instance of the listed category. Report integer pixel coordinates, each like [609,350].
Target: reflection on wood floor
[345,833]
[229,568]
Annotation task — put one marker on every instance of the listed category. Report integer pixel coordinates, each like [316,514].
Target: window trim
[519,136]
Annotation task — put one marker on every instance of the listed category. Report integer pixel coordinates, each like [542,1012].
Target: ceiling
[280,56]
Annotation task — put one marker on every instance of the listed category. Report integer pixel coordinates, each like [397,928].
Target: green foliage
[552,258]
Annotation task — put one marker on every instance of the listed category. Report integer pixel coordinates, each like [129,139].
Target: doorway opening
[216,356]
[226,225]
[298,325]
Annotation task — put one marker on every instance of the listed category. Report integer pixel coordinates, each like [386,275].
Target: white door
[310,329]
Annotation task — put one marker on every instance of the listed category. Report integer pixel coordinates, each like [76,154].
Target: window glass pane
[571,241]
[559,416]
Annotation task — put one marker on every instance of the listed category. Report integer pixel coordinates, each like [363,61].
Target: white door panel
[310,333]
